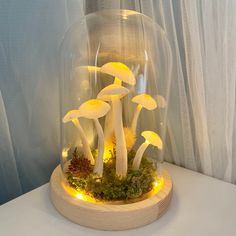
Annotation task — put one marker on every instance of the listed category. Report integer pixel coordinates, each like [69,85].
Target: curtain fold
[201,130]
[30,36]
[9,175]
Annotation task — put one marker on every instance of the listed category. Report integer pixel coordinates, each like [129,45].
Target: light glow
[64,153]
[107,153]
[158,185]
[79,196]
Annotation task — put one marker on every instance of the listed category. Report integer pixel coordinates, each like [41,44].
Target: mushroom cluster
[108,103]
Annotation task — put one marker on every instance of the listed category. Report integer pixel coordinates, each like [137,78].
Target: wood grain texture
[108,216]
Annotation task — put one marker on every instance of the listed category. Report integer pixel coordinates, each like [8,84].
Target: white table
[200,206]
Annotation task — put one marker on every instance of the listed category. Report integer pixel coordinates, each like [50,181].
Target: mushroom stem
[117,81]
[139,155]
[121,150]
[98,168]
[86,147]
[109,128]
[135,118]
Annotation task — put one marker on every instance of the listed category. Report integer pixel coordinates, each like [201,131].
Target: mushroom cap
[119,70]
[112,90]
[92,69]
[153,138]
[94,109]
[70,115]
[146,100]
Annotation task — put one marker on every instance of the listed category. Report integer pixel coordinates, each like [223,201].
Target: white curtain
[30,36]
[201,113]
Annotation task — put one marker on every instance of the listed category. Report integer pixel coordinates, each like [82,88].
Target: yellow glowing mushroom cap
[152,138]
[119,70]
[92,69]
[94,108]
[111,91]
[70,115]
[146,100]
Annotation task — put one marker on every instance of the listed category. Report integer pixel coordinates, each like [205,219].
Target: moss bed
[80,176]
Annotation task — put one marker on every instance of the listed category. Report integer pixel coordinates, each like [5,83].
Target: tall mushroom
[94,109]
[73,116]
[122,73]
[144,101]
[114,93]
[150,138]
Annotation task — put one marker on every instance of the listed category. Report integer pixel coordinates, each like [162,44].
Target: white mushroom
[143,100]
[122,73]
[114,93]
[150,138]
[94,109]
[73,116]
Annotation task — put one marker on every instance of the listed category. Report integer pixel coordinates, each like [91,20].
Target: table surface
[200,206]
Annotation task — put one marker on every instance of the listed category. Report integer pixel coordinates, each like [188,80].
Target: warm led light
[158,184]
[64,152]
[79,196]
[107,154]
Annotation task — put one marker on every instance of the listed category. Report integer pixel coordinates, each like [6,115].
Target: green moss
[110,187]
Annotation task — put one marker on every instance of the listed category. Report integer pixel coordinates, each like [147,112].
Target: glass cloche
[115,78]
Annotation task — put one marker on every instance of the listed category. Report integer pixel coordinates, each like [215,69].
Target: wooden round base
[107,216]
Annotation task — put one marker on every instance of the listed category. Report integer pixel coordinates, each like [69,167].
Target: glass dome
[115,78]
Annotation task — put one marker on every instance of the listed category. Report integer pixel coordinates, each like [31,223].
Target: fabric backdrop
[201,115]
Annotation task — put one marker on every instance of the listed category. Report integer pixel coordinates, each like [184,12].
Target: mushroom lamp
[143,101]
[94,109]
[115,70]
[150,138]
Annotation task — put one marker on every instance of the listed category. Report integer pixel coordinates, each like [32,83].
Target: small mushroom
[73,116]
[143,100]
[122,73]
[150,138]
[114,93]
[94,109]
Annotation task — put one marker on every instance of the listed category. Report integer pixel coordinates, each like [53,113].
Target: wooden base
[106,216]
